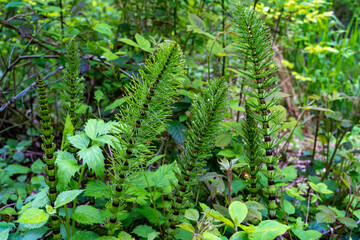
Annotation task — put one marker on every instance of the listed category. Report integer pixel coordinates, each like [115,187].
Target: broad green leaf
[289,173]
[357,213]
[38,166]
[288,207]
[143,230]
[220,218]
[197,24]
[224,139]
[153,235]
[34,233]
[129,42]
[143,43]
[103,28]
[317,109]
[176,130]
[79,141]
[41,198]
[210,236]
[217,187]
[226,153]
[67,167]
[13,4]
[349,222]
[115,104]
[239,236]
[68,128]
[109,56]
[268,230]
[306,235]
[186,226]
[97,189]
[33,215]
[191,214]
[154,159]
[66,197]
[108,139]
[99,95]
[94,159]
[4,234]
[87,215]
[16,169]
[238,212]
[113,238]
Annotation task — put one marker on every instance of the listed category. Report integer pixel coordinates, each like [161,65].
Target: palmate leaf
[94,159]
[95,128]
[87,215]
[67,167]
[79,141]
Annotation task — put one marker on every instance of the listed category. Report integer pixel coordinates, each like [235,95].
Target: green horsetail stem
[48,147]
[149,103]
[206,113]
[254,44]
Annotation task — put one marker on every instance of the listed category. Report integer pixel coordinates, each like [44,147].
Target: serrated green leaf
[125,236]
[66,197]
[41,198]
[110,57]
[103,28]
[226,153]
[38,166]
[153,235]
[34,233]
[16,169]
[289,173]
[268,230]
[79,141]
[191,214]
[143,230]
[238,212]
[97,189]
[33,216]
[95,128]
[94,159]
[349,222]
[87,215]
[143,43]
[197,23]
[186,226]
[67,167]
[306,235]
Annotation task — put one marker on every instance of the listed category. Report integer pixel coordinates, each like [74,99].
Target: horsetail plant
[253,152]
[72,85]
[48,147]
[207,112]
[142,119]
[255,47]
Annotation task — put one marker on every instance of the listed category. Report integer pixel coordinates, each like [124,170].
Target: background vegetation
[316,45]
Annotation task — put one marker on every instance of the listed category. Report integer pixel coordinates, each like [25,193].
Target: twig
[22,93]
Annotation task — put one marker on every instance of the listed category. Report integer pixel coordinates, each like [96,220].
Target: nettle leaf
[87,215]
[186,226]
[94,159]
[67,167]
[326,215]
[125,236]
[349,222]
[238,212]
[16,169]
[95,128]
[268,230]
[192,214]
[143,230]
[41,199]
[177,131]
[153,235]
[288,207]
[66,197]
[289,173]
[34,233]
[79,141]
[97,189]
[33,216]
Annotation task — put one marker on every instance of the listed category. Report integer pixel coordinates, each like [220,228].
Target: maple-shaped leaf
[94,158]
[97,127]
